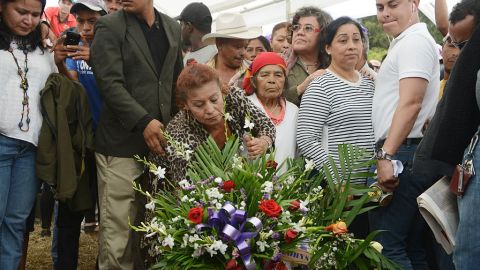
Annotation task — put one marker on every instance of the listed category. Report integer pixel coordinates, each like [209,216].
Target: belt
[407,141]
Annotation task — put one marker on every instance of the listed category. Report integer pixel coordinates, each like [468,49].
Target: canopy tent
[267,13]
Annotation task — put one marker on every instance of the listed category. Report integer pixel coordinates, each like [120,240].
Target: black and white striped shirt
[334,111]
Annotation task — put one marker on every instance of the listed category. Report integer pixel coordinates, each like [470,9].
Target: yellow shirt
[442,87]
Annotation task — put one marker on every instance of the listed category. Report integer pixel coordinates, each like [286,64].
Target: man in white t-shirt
[405,98]
[196,21]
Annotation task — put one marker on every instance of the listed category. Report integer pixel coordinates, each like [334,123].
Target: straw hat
[231,25]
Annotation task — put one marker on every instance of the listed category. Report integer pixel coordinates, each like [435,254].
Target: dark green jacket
[129,83]
[65,137]
[296,76]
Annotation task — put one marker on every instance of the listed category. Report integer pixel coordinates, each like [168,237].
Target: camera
[71,38]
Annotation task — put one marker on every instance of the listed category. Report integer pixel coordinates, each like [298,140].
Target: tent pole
[287,9]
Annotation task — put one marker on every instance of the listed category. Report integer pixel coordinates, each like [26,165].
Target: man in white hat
[231,39]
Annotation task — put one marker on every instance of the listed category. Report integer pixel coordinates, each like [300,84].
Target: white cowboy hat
[231,25]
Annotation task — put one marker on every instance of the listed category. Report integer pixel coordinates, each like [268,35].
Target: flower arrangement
[234,213]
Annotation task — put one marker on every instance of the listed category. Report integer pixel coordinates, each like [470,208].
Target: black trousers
[68,237]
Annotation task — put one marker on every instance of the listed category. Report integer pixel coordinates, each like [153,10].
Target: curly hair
[192,77]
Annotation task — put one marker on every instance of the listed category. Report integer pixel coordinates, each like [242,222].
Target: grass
[39,256]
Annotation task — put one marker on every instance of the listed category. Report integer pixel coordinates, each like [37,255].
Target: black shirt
[158,44]
[157,41]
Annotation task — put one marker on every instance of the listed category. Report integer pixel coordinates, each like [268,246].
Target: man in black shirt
[136,58]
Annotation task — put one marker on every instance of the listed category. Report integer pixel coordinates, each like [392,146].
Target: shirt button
[160,83]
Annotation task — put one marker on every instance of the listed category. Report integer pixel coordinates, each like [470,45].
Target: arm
[65,65]
[441,16]
[312,116]
[263,129]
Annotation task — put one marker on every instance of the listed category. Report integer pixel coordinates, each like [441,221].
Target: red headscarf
[262,59]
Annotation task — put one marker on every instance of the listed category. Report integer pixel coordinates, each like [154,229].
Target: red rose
[228,185]
[270,208]
[290,235]
[232,265]
[195,215]
[271,164]
[294,206]
[275,266]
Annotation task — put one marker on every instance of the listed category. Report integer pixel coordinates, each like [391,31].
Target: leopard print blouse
[184,129]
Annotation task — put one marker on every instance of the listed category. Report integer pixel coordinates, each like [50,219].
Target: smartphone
[72,38]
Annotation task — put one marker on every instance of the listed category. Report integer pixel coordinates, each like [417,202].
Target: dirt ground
[39,256]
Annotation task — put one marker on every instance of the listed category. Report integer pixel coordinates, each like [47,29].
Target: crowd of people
[89,84]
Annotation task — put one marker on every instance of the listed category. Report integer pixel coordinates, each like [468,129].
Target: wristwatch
[382,154]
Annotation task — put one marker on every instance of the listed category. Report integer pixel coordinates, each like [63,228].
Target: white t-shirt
[202,55]
[40,66]
[412,54]
[285,135]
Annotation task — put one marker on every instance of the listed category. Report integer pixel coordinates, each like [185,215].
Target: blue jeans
[404,229]
[18,187]
[467,240]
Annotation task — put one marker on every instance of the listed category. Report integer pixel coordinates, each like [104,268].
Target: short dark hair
[323,19]
[327,34]
[279,26]
[465,8]
[264,42]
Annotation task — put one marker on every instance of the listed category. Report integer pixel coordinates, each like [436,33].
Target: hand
[61,52]
[255,146]
[303,86]
[153,135]
[385,176]
[79,52]
[45,32]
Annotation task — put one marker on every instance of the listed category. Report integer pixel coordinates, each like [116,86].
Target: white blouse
[40,66]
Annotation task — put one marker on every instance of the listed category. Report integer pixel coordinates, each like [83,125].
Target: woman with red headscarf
[265,83]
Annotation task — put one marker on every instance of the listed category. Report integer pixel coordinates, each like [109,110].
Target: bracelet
[269,141]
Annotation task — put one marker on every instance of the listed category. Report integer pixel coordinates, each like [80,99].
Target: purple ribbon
[234,226]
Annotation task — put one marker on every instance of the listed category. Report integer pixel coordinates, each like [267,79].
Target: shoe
[45,233]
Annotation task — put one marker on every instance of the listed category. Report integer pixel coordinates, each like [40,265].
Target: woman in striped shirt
[337,106]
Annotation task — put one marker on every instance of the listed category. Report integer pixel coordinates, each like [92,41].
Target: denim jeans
[403,228]
[18,187]
[467,250]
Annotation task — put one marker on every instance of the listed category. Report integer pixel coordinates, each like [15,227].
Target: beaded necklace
[24,87]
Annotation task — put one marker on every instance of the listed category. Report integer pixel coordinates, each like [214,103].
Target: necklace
[24,87]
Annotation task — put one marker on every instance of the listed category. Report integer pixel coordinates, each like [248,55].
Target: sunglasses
[307,28]
[459,45]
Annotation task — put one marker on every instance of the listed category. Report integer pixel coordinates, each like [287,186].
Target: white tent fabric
[267,13]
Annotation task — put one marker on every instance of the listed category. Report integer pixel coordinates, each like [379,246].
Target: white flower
[168,241]
[309,165]
[159,172]
[290,179]
[248,125]
[213,193]
[267,187]
[242,205]
[184,184]
[377,246]
[303,205]
[218,206]
[184,198]
[198,251]
[185,240]
[188,154]
[228,117]
[317,189]
[218,180]
[150,206]
[193,238]
[262,245]
[220,246]
[175,219]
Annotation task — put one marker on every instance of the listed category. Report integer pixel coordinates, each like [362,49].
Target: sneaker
[45,233]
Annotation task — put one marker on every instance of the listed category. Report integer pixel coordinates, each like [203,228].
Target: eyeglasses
[307,28]
[459,45]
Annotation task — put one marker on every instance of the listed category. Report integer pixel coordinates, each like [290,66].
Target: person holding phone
[72,56]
